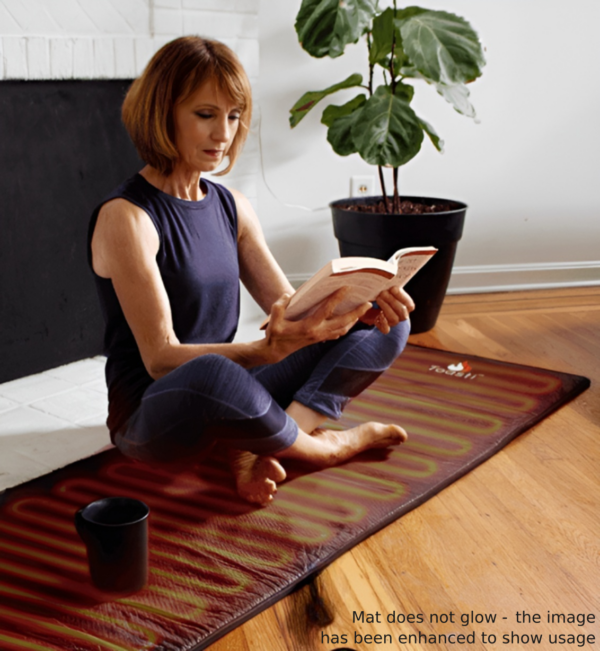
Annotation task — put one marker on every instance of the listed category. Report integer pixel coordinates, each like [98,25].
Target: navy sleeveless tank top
[198,262]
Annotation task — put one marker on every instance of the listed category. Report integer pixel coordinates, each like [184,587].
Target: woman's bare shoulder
[248,222]
[121,213]
[123,234]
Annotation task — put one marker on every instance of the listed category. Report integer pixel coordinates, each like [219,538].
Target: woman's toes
[275,470]
[261,487]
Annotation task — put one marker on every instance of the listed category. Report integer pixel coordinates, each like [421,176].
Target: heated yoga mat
[216,561]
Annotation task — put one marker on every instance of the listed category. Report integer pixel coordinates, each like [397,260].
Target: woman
[168,249]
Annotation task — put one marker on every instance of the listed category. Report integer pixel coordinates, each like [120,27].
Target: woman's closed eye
[208,116]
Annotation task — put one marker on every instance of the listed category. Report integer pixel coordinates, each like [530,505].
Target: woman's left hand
[394,306]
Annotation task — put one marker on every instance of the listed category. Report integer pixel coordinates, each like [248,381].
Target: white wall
[529,171]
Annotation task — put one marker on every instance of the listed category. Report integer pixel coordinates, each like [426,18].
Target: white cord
[262,170]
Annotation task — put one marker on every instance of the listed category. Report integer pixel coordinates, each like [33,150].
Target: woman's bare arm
[259,271]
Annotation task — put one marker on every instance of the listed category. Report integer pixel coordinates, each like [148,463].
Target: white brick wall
[61,58]
[38,57]
[42,39]
[15,57]
[125,60]
[108,39]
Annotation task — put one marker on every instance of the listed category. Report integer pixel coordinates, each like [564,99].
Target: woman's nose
[222,130]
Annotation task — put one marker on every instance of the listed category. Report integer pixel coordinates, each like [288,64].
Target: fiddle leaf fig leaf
[404,91]
[442,46]
[309,100]
[325,27]
[333,112]
[409,12]
[339,134]
[410,71]
[458,96]
[438,143]
[388,132]
[382,36]
[385,33]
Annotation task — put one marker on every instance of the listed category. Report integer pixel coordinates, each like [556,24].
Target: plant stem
[396,200]
[393,83]
[371,65]
[383,191]
[396,203]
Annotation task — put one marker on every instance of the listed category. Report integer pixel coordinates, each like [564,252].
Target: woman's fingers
[324,324]
[392,309]
[283,301]
[329,305]
[278,308]
[381,323]
[340,325]
[370,315]
[395,305]
[403,297]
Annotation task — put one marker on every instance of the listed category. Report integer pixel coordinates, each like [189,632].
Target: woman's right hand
[283,337]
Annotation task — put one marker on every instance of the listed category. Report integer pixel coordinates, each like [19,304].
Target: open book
[368,277]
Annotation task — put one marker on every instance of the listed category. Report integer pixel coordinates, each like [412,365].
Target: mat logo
[461,369]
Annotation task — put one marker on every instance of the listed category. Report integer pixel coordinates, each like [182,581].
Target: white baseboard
[512,277]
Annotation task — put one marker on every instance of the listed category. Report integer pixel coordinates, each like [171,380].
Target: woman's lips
[215,153]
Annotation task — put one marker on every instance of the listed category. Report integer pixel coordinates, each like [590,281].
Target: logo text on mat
[461,369]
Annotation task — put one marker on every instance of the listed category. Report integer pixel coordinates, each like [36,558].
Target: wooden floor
[520,533]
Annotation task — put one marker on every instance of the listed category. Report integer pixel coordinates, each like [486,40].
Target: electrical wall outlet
[362,186]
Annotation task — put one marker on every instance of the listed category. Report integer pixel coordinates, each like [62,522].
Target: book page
[366,285]
[410,263]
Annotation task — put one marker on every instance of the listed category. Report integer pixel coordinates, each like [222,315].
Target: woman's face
[205,125]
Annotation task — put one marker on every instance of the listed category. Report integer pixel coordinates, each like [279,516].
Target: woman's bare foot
[348,443]
[328,447]
[256,477]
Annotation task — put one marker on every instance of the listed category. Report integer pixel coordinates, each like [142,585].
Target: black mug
[115,533]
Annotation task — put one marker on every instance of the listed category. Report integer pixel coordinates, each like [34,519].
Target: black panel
[62,149]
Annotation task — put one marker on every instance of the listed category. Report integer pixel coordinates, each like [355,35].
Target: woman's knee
[206,370]
[205,389]
[386,348]
[209,376]
[146,439]
[399,336]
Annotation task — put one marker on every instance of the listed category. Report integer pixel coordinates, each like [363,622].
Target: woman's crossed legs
[266,413]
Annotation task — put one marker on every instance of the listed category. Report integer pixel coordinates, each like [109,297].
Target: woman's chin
[210,166]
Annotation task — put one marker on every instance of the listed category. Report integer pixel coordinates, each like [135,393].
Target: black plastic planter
[379,235]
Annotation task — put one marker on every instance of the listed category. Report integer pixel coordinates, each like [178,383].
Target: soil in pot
[407,207]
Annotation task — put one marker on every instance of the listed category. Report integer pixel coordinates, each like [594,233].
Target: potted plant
[403,46]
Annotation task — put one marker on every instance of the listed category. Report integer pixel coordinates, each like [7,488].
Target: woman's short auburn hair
[176,71]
